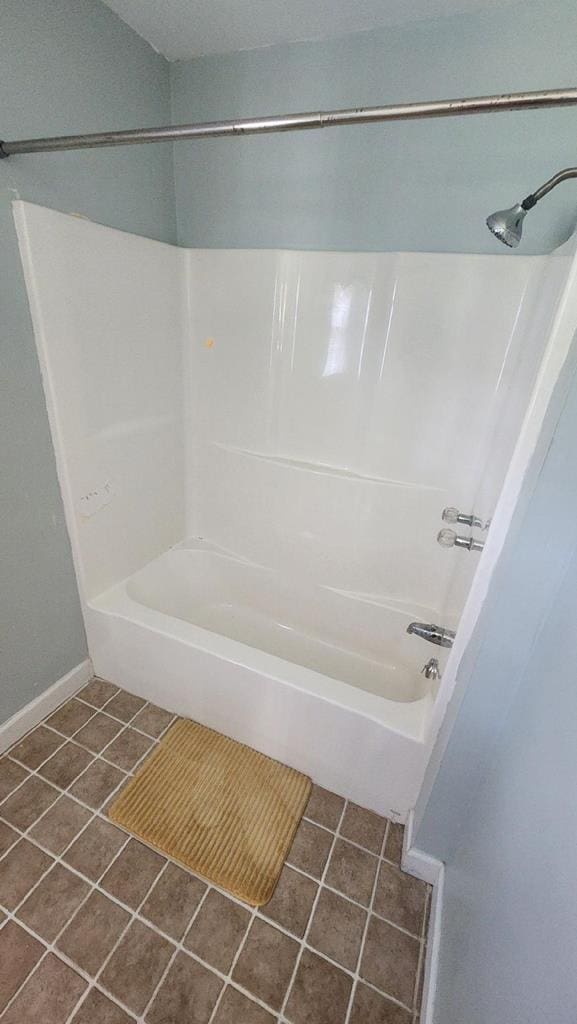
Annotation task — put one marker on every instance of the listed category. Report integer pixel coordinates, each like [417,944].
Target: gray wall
[65,66]
[502,810]
[421,186]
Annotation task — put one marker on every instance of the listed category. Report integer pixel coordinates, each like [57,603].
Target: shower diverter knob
[450,539]
[452,515]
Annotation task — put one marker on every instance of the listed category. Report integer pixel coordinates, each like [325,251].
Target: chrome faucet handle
[450,539]
[431,670]
[452,515]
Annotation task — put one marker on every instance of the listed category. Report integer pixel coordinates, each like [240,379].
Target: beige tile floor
[96,928]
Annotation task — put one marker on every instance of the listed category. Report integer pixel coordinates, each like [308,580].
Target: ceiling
[181,29]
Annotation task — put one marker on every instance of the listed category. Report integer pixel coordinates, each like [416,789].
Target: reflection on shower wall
[337,402]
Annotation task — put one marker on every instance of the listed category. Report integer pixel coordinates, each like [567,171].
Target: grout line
[72,696]
[62,792]
[422,954]
[282,1017]
[96,711]
[420,966]
[58,859]
[135,915]
[302,941]
[100,812]
[36,770]
[137,763]
[94,887]
[64,739]
[30,774]
[171,958]
[51,946]
[181,948]
[34,773]
[345,839]
[365,930]
[102,710]
[132,917]
[59,789]
[362,906]
[235,960]
[153,740]
[70,736]
[178,948]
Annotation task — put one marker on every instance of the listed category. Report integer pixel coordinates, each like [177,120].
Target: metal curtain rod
[300,122]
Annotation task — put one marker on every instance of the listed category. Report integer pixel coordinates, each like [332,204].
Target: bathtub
[323,679]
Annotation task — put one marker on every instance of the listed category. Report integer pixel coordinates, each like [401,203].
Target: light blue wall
[497,657]
[420,186]
[502,810]
[65,66]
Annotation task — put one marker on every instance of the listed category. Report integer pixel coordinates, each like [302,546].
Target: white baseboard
[433,951]
[428,869]
[417,863]
[46,702]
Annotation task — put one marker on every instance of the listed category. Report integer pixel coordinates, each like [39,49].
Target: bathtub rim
[409,719]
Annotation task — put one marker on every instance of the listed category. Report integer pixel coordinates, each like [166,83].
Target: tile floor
[96,928]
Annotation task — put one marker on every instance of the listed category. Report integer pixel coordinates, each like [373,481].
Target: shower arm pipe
[529,201]
[300,122]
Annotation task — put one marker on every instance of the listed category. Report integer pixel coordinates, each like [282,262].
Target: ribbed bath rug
[220,808]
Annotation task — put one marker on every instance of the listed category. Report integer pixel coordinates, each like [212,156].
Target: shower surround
[255,448]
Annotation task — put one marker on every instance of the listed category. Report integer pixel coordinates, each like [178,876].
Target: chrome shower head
[507,225]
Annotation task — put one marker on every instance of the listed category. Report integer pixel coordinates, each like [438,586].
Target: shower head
[507,225]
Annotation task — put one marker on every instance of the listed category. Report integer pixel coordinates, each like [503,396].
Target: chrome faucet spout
[439,635]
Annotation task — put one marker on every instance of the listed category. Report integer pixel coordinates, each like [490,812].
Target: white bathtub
[322,679]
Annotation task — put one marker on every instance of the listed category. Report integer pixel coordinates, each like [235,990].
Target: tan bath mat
[220,808]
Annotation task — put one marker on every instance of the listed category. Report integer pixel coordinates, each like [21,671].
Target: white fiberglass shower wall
[255,449]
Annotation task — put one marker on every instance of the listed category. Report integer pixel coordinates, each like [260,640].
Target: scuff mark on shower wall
[95,499]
